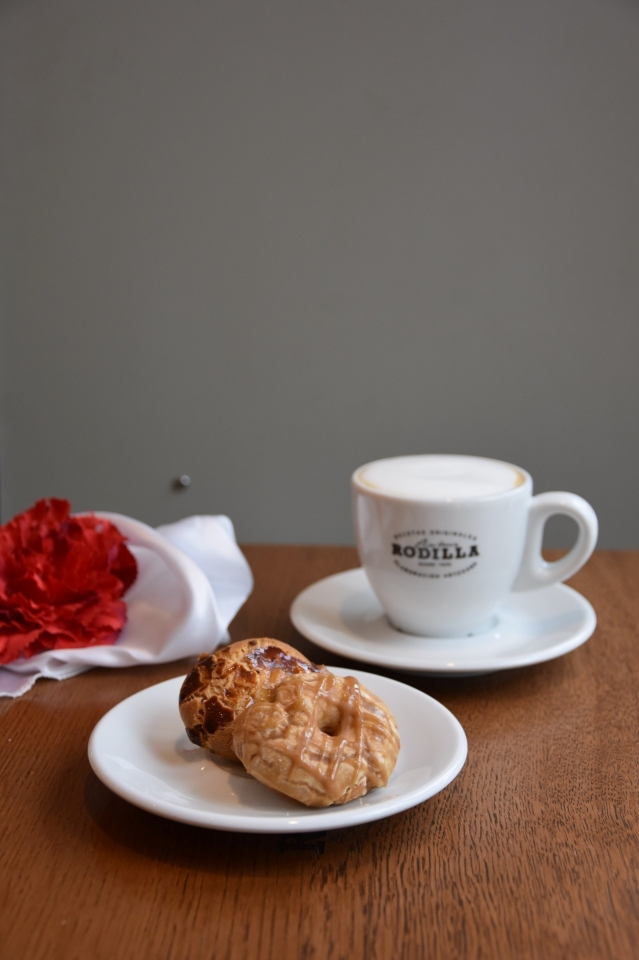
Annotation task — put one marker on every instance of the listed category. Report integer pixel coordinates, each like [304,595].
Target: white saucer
[140,751]
[343,615]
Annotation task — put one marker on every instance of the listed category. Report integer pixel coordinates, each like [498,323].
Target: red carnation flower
[61,581]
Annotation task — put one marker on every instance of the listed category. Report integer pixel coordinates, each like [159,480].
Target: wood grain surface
[532,852]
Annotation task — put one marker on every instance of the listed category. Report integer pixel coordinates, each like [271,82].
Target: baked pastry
[320,739]
[224,683]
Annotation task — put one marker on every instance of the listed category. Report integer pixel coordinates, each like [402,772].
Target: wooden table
[531,852]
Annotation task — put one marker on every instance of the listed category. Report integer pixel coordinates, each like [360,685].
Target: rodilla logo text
[435,554]
[432,552]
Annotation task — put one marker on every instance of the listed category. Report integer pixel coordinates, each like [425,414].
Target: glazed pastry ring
[320,739]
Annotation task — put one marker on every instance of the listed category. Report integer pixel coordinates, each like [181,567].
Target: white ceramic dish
[141,752]
[343,615]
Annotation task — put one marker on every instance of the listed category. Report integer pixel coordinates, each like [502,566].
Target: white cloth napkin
[192,579]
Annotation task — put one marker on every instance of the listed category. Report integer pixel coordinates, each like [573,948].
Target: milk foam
[440,477]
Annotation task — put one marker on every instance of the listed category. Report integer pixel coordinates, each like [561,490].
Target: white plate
[343,615]
[141,752]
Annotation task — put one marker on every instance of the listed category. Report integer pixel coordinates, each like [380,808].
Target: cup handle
[536,572]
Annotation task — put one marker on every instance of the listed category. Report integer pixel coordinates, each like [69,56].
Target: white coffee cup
[444,539]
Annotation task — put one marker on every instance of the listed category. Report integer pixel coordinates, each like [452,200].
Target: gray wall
[262,243]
